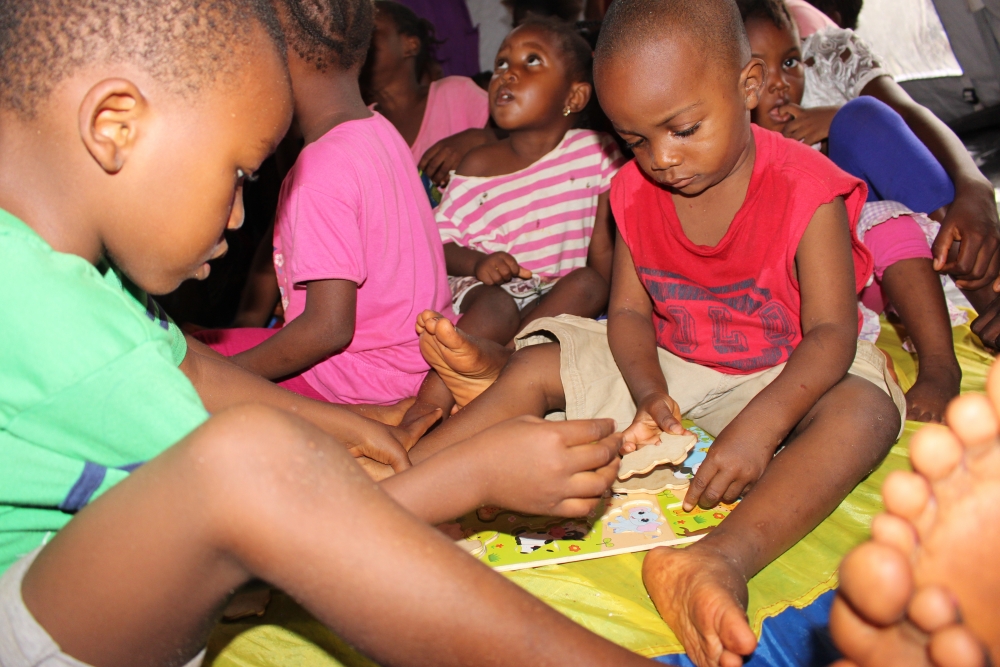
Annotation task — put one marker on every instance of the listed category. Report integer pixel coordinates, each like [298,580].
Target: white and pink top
[544,214]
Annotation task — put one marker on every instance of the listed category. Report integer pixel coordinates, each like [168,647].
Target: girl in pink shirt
[356,249]
[397,81]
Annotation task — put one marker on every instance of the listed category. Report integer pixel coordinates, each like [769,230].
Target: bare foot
[703,600]
[929,557]
[468,365]
[928,398]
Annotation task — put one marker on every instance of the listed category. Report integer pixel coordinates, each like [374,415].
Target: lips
[774,112]
[679,183]
[503,96]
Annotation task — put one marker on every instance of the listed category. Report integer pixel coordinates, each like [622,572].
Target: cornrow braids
[329,33]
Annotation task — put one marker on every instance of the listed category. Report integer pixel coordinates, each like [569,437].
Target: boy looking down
[733,303]
[128,515]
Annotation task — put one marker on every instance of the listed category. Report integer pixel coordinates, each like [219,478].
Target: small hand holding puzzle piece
[649,469]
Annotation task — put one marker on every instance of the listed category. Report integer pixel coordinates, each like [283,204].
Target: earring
[567,111]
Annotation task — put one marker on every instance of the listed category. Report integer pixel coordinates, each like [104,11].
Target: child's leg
[922,591]
[907,278]
[701,591]
[871,141]
[490,313]
[581,292]
[530,384]
[141,574]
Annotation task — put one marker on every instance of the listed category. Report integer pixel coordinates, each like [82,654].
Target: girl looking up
[525,221]
[397,81]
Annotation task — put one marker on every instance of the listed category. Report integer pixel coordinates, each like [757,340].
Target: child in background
[840,67]
[525,221]
[396,79]
[357,254]
[734,303]
[902,170]
[130,515]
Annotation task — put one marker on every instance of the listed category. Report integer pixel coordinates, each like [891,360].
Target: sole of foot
[467,365]
[923,591]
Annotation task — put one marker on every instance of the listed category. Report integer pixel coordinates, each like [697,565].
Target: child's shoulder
[461,87]
[482,161]
[794,165]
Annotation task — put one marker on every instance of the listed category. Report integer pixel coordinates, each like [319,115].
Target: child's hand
[499,268]
[734,463]
[807,125]
[655,414]
[548,468]
[390,444]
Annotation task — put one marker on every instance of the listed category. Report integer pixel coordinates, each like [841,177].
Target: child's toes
[935,452]
[955,646]
[932,609]
[906,494]
[895,532]
[974,421]
[878,582]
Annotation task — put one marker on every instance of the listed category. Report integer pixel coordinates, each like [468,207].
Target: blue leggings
[869,140]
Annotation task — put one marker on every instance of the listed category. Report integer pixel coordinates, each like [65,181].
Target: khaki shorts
[594,386]
[23,642]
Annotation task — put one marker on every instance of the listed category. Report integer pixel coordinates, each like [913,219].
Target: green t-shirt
[89,385]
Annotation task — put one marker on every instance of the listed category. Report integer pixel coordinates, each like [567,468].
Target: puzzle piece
[672,449]
[655,481]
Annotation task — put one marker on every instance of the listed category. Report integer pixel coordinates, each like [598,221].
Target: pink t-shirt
[807,18]
[454,104]
[353,208]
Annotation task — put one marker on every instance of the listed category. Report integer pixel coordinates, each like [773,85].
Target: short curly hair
[329,33]
[181,43]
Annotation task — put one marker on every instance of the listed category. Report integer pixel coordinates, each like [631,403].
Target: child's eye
[790,63]
[534,60]
[500,66]
[688,132]
[632,144]
[244,176]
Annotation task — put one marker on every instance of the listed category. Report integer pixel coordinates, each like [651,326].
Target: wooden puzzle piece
[672,449]
[654,481]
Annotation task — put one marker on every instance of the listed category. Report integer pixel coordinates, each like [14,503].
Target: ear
[752,82]
[579,95]
[411,46]
[109,120]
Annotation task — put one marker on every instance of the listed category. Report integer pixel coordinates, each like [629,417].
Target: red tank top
[735,307]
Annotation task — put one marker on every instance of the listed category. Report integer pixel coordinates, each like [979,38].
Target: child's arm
[829,315]
[493,269]
[326,326]
[446,155]
[222,384]
[524,464]
[972,217]
[633,343]
[601,253]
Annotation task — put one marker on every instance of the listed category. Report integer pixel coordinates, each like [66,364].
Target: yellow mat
[607,595]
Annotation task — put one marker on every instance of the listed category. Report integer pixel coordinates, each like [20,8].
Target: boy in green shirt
[126,131]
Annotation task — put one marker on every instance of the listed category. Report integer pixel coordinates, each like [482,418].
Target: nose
[776,82]
[664,156]
[238,213]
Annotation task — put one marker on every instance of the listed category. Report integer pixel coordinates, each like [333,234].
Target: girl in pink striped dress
[525,221]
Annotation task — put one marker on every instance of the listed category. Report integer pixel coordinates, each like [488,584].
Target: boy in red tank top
[733,303]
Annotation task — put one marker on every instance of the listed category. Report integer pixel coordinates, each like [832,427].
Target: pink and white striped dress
[543,215]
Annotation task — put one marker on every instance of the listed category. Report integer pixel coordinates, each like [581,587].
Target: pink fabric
[230,342]
[807,18]
[892,241]
[454,104]
[353,208]
[544,214]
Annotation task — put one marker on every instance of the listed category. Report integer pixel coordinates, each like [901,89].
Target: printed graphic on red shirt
[750,331]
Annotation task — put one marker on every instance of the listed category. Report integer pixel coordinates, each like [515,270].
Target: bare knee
[242,461]
[536,366]
[863,410]
[488,311]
